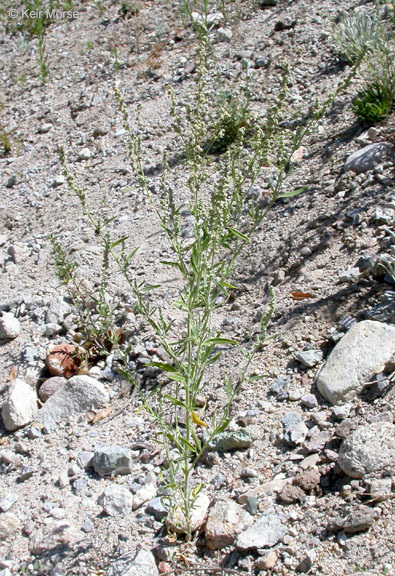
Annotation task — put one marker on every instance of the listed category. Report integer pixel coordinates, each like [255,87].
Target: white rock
[141,564]
[116,500]
[84,154]
[176,520]
[362,352]
[20,405]
[78,395]
[369,449]
[145,494]
[10,326]
[56,312]
[226,519]
[368,157]
[265,533]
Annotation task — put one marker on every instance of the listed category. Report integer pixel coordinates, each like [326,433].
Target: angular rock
[307,563]
[112,460]
[308,480]
[290,494]
[226,519]
[7,501]
[295,430]
[147,492]
[156,508]
[10,326]
[79,394]
[232,440]
[265,533]
[176,520]
[50,386]
[359,520]
[20,405]
[309,358]
[116,500]
[141,563]
[368,157]
[268,561]
[362,352]
[56,312]
[369,449]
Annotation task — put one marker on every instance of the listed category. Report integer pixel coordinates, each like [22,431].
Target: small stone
[112,460]
[224,34]
[341,412]
[64,360]
[50,386]
[359,520]
[7,501]
[44,128]
[268,561]
[307,563]
[308,480]
[267,3]
[147,492]
[369,449]
[309,400]
[85,459]
[309,358]
[226,519]
[84,154]
[290,494]
[232,440]
[380,489]
[10,326]
[20,405]
[139,563]
[116,500]
[317,442]
[18,253]
[100,131]
[9,526]
[11,181]
[57,310]
[156,508]
[280,389]
[58,181]
[264,533]
[368,157]
[176,522]
[295,430]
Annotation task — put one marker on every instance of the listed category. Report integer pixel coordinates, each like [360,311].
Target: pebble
[10,326]
[295,430]
[44,128]
[139,563]
[266,532]
[63,360]
[175,520]
[20,406]
[369,449]
[146,493]
[359,520]
[226,519]
[307,563]
[308,480]
[156,508]
[309,358]
[268,561]
[7,501]
[112,460]
[290,494]
[232,440]
[84,154]
[50,386]
[116,500]
[309,400]
[9,526]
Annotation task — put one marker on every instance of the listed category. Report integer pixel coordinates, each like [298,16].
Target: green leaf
[190,446]
[163,366]
[227,285]
[148,287]
[292,193]
[174,401]
[119,241]
[219,340]
[238,234]
[257,377]
[177,377]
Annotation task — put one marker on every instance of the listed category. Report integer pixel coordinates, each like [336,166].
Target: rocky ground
[303,479]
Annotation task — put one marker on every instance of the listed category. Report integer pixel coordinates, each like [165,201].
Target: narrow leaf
[119,241]
[292,193]
[238,234]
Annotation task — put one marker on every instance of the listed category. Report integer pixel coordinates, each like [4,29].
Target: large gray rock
[112,460]
[368,157]
[20,405]
[369,450]
[116,500]
[232,440]
[226,519]
[79,394]
[362,352]
[140,563]
[265,533]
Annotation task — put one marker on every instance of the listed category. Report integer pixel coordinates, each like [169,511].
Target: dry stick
[202,568]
